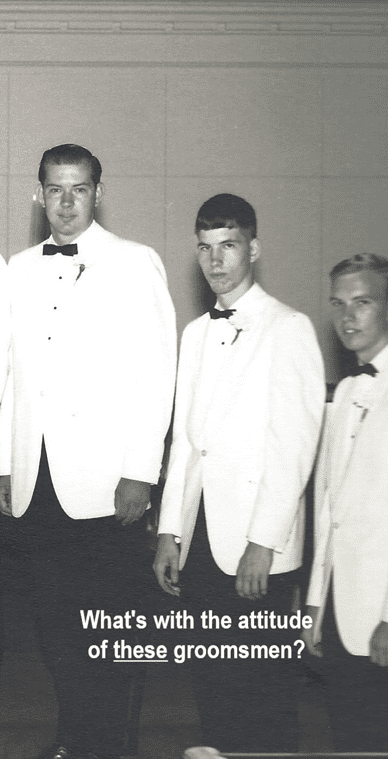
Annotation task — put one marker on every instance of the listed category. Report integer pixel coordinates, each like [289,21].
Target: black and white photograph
[193,379]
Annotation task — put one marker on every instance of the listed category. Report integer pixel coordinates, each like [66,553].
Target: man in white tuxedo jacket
[348,592]
[248,412]
[82,429]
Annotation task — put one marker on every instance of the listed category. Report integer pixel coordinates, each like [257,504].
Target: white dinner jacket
[5,324]
[352,520]
[252,447]
[93,371]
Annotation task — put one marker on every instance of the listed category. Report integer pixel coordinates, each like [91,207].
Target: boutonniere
[81,266]
[239,324]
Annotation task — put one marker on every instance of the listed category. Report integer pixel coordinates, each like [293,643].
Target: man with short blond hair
[348,593]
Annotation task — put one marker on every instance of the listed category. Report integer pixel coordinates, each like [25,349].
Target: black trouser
[244,704]
[83,564]
[357,693]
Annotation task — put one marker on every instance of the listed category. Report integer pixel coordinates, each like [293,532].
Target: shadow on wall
[343,360]
[204,297]
[39,226]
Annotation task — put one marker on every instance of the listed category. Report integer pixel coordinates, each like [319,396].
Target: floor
[169,721]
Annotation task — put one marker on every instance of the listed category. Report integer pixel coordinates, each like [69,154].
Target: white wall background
[284,103]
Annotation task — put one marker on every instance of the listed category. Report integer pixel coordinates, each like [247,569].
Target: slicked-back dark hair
[70,154]
[228,211]
[362,262]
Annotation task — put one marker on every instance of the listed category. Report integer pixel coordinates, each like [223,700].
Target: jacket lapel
[342,472]
[249,346]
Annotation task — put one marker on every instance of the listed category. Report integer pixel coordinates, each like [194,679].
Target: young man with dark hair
[248,412]
[226,210]
[70,155]
[93,379]
[348,593]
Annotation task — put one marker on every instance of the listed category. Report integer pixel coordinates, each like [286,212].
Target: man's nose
[215,255]
[67,198]
[348,312]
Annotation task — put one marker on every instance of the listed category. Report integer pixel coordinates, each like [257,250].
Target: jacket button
[335,525]
[203,453]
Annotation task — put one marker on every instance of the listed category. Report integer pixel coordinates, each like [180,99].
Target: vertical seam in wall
[321,198]
[165,168]
[8,161]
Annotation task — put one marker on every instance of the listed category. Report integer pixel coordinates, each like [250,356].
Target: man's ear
[39,195]
[100,192]
[255,246]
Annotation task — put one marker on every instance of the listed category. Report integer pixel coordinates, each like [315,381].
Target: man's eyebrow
[222,242]
[58,184]
[362,296]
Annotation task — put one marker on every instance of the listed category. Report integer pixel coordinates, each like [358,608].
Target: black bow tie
[215,313]
[67,250]
[364,369]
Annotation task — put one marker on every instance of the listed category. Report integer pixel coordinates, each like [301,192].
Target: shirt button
[49,338]
[335,525]
[203,453]
[42,393]
[55,308]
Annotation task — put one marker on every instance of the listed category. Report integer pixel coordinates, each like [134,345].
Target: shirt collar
[245,308]
[381,359]
[85,245]
[243,300]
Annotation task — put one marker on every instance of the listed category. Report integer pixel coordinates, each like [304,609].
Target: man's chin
[218,287]
[351,342]
[351,346]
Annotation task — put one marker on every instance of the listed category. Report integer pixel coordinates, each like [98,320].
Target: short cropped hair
[70,154]
[226,210]
[362,262]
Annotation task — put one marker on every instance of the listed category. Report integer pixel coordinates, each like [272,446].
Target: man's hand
[253,570]
[131,500]
[166,564]
[308,635]
[5,495]
[379,645]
